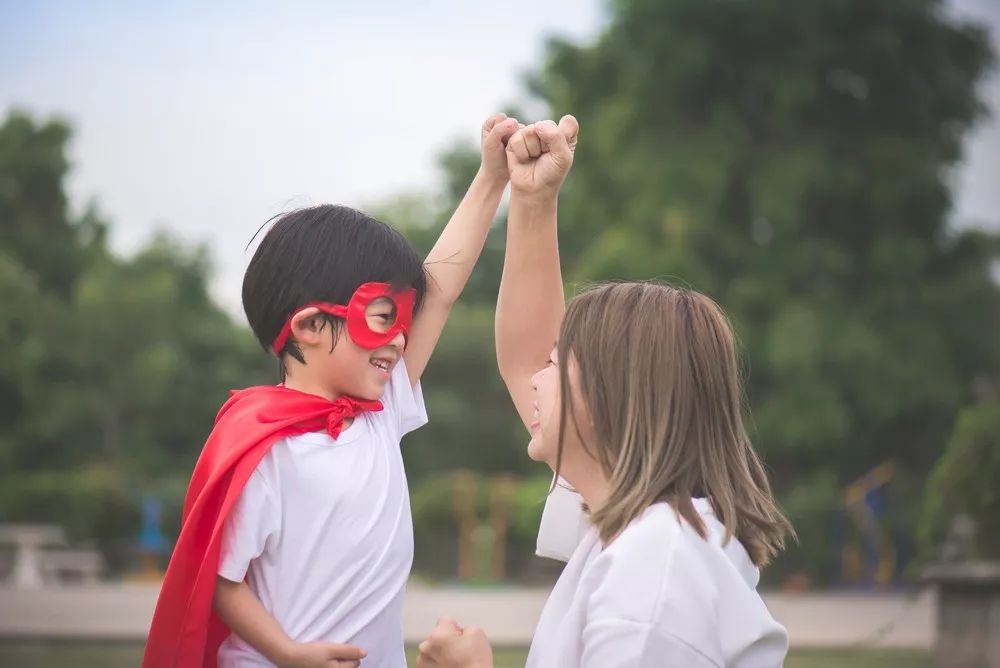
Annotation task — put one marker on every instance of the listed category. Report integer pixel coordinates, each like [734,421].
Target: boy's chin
[371,393]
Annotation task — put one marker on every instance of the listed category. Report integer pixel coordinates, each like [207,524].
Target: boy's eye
[381,314]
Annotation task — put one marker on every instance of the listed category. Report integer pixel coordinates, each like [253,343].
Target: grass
[23,654]
[514,658]
[503,657]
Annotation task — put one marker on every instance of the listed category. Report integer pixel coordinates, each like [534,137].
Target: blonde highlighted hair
[659,376]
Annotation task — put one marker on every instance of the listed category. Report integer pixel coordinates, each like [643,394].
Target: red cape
[186,632]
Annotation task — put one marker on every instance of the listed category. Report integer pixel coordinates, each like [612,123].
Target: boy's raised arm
[450,262]
[530,304]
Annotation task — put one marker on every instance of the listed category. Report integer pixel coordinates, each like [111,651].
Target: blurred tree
[42,252]
[113,369]
[25,305]
[421,218]
[35,226]
[144,360]
[472,423]
[964,481]
[791,160]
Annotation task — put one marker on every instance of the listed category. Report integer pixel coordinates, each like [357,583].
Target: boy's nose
[398,341]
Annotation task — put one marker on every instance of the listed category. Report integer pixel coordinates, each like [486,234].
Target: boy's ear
[307,326]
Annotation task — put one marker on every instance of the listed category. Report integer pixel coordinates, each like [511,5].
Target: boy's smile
[383,361]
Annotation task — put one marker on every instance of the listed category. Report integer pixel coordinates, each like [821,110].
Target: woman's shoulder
[627,577]
[655,531]
[661,573]
[659,562]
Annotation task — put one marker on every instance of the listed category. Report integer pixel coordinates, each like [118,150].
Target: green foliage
[163,354]
[113,367]
[813,504]
[34,227]
[472,422]
[788,159]
[433,504]
[95,504]
[529,499]
[965,481]
[779,157]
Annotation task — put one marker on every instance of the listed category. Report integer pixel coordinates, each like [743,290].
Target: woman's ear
[307,326]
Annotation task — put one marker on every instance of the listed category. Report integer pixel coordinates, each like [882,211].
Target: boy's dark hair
[322,253]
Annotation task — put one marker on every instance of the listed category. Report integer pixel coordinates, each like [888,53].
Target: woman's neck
[591,485]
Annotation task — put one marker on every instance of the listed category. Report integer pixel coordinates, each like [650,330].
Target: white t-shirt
[659,595]
[323,535]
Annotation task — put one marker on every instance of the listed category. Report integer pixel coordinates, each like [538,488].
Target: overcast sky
[208,120]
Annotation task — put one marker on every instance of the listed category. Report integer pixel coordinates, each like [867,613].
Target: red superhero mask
[367,336]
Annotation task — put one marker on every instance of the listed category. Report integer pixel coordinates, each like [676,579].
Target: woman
[638,408]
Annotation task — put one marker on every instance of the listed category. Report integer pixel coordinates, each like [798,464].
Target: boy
[296,527]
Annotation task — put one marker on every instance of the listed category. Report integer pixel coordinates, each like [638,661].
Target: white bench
[41,557]
[71,565]
[28,541]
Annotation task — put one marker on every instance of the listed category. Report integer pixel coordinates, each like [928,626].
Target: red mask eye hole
[381,315]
